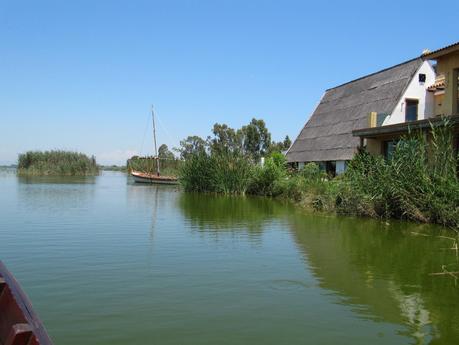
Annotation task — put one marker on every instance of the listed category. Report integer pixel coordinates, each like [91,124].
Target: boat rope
[164,129]
[144,134]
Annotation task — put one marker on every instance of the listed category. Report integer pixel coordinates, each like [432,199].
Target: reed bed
[63,163]
[419,183]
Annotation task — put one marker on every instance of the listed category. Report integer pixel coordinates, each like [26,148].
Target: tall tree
[280,146]
[225,139]
[256,139]
[165,153]
[191,145]
[287,143]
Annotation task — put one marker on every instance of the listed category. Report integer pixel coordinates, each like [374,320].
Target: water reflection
[55,193]
[57,179]
[210,213]
[384,272]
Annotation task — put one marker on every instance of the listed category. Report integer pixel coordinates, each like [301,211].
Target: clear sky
[82,75]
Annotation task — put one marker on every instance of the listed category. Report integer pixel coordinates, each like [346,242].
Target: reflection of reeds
[63,163]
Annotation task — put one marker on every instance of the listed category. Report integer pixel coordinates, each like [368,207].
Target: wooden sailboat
[19,325]
[156,178]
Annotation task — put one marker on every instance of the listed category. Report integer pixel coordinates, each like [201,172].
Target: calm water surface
[109,262]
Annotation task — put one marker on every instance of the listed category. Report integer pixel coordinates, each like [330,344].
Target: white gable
[415,90]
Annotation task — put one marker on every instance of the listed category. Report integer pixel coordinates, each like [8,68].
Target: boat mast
[154,139]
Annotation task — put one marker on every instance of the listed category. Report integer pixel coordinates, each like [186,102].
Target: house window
[389,148]
[411,110]
[330,168]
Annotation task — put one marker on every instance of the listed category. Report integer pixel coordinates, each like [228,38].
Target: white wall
[416,90]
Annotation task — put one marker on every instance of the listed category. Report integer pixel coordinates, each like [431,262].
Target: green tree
[256,139]
[191,145]
[280,146]
[165,153]
[287,143]
[225,139]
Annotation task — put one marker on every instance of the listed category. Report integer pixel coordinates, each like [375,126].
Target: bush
[265,179]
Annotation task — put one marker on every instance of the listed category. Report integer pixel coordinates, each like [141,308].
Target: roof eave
[441,52]
[402,127]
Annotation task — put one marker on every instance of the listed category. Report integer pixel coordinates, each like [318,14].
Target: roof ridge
[374,73]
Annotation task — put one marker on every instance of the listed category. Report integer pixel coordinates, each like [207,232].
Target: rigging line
[171,140]
[144,134]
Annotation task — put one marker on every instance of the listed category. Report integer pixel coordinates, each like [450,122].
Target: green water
[105,261]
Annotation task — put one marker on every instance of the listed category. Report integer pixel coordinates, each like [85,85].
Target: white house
[394,95]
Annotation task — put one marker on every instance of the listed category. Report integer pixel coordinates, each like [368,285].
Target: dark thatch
[327,136]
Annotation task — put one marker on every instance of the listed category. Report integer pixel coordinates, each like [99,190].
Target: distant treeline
[56,162]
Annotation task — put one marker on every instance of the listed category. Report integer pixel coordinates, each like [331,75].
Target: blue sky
[82,75]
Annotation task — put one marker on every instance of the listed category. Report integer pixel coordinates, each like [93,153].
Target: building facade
[375,110]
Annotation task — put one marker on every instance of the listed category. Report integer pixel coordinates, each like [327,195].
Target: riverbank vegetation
[56,162]
[419,182]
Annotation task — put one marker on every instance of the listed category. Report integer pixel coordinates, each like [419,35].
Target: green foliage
[279,159]
[226,173]
[256,139]
[191,145]
[312,173]
[281,146]
[197,173]
[265,178]
[56,163]
[225,140]
[164,153]
[418,183]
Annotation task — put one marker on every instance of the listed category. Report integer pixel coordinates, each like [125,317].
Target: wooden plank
[20,334]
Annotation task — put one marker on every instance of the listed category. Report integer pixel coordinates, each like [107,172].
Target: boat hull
[153,179]
[19,325]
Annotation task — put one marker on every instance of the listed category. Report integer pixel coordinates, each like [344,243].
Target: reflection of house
[366,270]
[377,109]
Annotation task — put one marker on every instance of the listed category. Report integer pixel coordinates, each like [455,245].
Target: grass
[63,163]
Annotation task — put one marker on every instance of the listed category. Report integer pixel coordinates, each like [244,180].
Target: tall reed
[419,182]
[226,173]
[56,163]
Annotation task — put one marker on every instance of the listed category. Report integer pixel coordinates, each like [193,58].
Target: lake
[106,261]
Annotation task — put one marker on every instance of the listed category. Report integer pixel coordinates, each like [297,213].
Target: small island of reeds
[56,163]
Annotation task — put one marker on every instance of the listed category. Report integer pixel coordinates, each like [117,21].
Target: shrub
[265,179]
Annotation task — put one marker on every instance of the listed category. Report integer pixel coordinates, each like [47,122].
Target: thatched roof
[327,136]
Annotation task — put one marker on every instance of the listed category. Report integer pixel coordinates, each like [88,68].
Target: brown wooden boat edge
[33,324]
[153,176]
